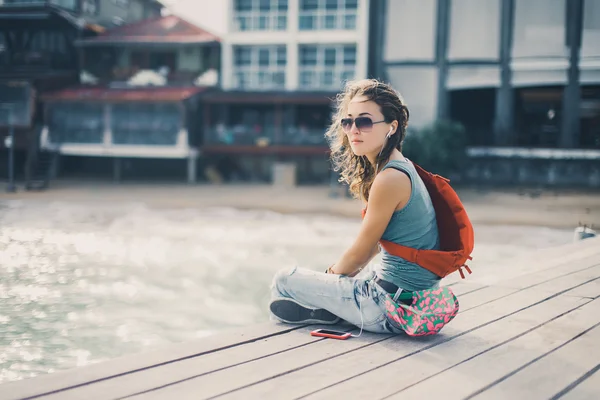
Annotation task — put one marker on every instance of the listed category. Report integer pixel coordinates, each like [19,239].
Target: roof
[134,94]
[277,97]
[169,30]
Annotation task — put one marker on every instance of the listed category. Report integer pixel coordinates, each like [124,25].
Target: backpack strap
[408,253]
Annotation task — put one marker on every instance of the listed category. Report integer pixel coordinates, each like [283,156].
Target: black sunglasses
[362,123]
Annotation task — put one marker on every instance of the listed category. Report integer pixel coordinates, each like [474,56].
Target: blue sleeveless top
[413,226]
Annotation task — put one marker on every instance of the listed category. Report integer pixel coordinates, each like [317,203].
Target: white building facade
[294,45]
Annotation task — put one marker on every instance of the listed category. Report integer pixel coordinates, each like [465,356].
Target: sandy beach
[506,207]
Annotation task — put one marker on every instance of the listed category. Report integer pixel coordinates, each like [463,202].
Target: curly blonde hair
[355,170]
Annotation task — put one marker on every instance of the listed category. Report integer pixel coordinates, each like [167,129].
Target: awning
[133,94]
[295,97]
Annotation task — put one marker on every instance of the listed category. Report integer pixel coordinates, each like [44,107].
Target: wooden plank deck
[528,328]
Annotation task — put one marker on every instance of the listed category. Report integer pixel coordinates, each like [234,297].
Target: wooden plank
[526,270]
[273,367]
[123,365]
[221,381]
[461,288]
[542,276]
[586,388]
[130,384]
[590,290]
[473,300]
[397,367]
[557,368]
[587,274]
[487,369]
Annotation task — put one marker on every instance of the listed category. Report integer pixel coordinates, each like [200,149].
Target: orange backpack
[456,233]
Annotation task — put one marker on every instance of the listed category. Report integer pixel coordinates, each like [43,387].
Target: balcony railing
[241,135]
[327,20]
[260,21]
[257,78]
[326,78]
[66,4]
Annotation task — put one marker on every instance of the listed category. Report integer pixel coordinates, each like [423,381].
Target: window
[76,123]
[403,19]
[122,3]
[591,29]
[326,66]
[539,29]
[145,123]
[474,29]
[418,86]
[260,15]
[538,116]
[259,67]
[327,14]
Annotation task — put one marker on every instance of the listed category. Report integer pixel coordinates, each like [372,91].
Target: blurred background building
[113,87]
[522,76]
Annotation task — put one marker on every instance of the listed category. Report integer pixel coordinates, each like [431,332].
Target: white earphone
[390,132]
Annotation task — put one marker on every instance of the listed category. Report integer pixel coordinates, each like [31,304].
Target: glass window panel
[330,56]
[418,87]
[308,55]
[76,123]
[539,29]
[305,78]
[590,45]
[263,22]
[279,78]
[308,5]
[243,5]
[403,19]
[474,29]
[331,4]
[347,75]
[349,55]
[307,22]
[351,4]
[281,23]
[264,5]
[281,55]
[153,123]
[329,21]
[263,57]
[350,21]
[243,23]
[282,5]
[243,56]
[328,78]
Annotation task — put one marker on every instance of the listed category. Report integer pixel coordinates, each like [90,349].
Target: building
[139,97]
[523,76]
[37,55]
[282,63]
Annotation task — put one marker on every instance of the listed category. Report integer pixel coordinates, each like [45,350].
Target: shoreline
[520,207]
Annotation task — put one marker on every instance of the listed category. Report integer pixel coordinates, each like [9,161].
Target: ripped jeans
[358,300]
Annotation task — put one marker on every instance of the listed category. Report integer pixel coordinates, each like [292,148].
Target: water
[82,283]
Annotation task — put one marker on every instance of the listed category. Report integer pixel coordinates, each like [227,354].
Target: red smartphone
[331,334]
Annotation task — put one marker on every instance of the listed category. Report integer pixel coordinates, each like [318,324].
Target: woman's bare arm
[390,190]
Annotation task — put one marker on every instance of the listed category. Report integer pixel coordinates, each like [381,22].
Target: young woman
[366,139]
